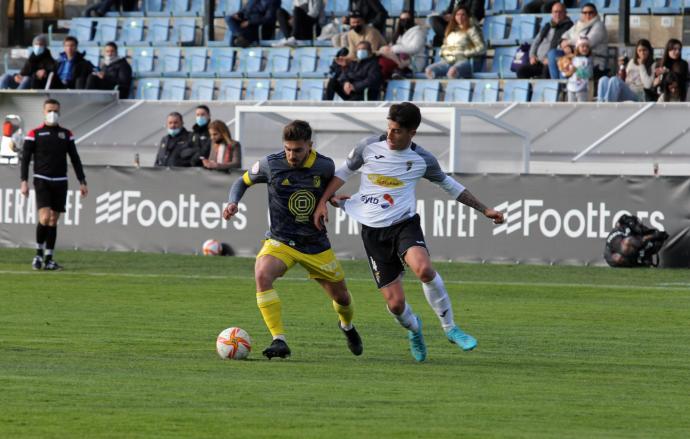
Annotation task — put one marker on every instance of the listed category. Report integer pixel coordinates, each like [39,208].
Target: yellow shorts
[322,265]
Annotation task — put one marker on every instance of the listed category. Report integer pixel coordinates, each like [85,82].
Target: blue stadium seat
[495,30]
[284,90]
[257,90]
[640,6]
[500,67]
[93,55]
[685,53]
[310,90]
[326,56]
[398,90]
[173,90]
[303,62]
[458,90]
[132,32]
[184,31]
[440,5]
[196,8]
[287,5]
[668,6]
[106,30]
[248,62]
[178,8]
[202,90]
[227,7]
[505,7]
[423,8]
[523,29]
[485,91]
[221,61]
[154,8]
[426,90]
[337,8]
[80,28]
[545,90]
[142,61]
[394,7]
[230,90]
[606,6]
[195,61]
[170,61]
[225,40]
[158,31]
[516,90]
[148,89]
[277,62]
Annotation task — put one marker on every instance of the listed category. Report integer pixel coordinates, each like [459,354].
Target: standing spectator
[72,68]
[34,74]
[409,40]
[632,80]
[175,148]
[361,31]
[462,50]
[300,26]
[351,79]
[542,59]
[439,23]
[49,145]
[201,139]
[372,11]
[591,26]
[115,72]
[580,72]
[670,89]
[225,153]
[245,23]
[672,62]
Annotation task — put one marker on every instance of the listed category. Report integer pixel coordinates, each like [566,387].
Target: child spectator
[580,72]
[670,89]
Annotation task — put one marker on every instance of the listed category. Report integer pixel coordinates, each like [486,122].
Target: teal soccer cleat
[417,346]
[464,341]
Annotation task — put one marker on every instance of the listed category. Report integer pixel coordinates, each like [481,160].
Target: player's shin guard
[345,313]
[271,310]
[407,319]
[51,237]
[41,232]
[437,296]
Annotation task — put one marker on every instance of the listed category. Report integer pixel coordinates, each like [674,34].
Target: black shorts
[386,248]
[51,194]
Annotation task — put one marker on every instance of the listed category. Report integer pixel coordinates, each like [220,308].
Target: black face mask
[405,24]
[358,29]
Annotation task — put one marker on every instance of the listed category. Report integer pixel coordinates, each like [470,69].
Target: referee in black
[49,145]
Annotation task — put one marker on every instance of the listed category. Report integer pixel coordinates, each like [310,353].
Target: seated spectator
[100,8]
[352,79]
[300,26]
[579,72]
[545,6]
[462,50]
[201,140]
[361,31]
[225,153]
[439,23]
[633,79]
[409,40]
[34,74]
[542,53]
[72,68]
[672,62]
[113,72]
[175,147]
[244,24]
[372,11]
[670,89]
[592,27]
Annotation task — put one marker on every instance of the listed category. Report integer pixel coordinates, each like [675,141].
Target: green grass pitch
[123,345]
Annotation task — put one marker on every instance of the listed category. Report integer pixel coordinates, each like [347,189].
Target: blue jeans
[553,55]
[7,82]
[614,89]
[464,68]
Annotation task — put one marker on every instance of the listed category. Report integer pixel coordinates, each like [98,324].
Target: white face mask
[52,118]
[108,59]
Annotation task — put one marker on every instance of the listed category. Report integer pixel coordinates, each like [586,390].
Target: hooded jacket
[175,151]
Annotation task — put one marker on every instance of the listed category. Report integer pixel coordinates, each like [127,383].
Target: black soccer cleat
[354,341]
[278,348]
[51,265]
[37,263]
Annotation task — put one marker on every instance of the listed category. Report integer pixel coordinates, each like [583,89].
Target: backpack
[521,57]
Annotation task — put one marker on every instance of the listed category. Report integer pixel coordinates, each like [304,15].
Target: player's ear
[413,133]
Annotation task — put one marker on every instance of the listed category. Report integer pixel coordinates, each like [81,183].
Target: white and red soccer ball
[212,248]
[233,344]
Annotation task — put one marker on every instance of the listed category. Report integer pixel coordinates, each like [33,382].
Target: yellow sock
[345,313]
[270,307]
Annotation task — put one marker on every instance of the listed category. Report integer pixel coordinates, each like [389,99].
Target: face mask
[362,54]
[201,121]
[38,50]
[174,131]
[358,28]
[406,24]
[52,118]
[108,59]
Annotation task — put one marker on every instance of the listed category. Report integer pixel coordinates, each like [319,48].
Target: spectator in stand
[244,24]
[34,74]
[361,31]
[225,153]
[201,139]
[670,89]
[72,68]
[352,79]
[463,48]
[545,6]
[439,23]
[114,72]
[409,40]
[175,148]
[99,9]
[580,72]
[672,62]
[300,26]
[372,11]
[633,79]
[592,27]
[542,53]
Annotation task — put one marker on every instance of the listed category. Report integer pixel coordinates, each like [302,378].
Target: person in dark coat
[36,69]
[372,11]
[549,38]
[440,22]
[201,139]
[114,72]
[244,24]
[351,79]
[72,68]
[175,149]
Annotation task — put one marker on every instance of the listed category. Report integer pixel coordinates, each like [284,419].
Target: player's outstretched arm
[320,216]
[236,192]
[470,200]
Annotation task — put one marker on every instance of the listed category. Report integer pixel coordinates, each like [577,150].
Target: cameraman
[632,244]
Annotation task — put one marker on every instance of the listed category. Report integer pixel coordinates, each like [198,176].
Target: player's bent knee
[426,273]
[264,280]
[396,306]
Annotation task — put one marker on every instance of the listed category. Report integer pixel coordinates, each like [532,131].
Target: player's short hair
[112,44]
[406,114]
[204,107]
[51,101]
[297,130]
[72,39]
[176,114]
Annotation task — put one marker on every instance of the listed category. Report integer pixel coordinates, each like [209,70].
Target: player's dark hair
[72,39]
[112,44]
[406,114]
[51,101]
[297,130]
[205,108]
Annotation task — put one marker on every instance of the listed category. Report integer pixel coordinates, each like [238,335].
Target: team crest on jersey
[385,181]
[62,135]
[255,168]
[409,164]
[317,181]
[285,182]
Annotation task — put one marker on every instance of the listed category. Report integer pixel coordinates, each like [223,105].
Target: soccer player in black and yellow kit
[296,179]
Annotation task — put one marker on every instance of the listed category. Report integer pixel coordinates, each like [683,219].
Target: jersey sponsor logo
[255,168]
[62,135]
[301,205]
[387,201]
[44,133]
[369,199]
[385,181]
[409,164]
[285,182]
[381,156]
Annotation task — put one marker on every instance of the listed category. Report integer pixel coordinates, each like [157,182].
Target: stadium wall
[550,219]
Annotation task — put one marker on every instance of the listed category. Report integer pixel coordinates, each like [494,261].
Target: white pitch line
[663,286]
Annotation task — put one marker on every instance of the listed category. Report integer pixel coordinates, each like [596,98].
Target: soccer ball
[212,248]
[233,344]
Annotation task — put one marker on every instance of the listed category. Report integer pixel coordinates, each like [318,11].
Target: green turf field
[123,345]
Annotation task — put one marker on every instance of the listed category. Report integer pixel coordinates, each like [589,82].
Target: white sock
[407,319]
[348,327]
[437,296]
[280,337]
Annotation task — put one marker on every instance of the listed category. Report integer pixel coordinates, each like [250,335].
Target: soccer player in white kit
[385,206]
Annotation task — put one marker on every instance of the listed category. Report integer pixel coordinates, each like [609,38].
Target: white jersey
[389,177]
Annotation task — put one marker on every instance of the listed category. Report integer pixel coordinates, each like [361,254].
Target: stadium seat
[277,62]
[142,60]
[148,89]
[545,90]
[158,31]
[605,7]
[154,8]
[426,90]
[516,90]
[310,90]
[257,90]
[227,7]
[640,7]
[523,29]
[671,7]
[80,28]
[173,90]
[248,62]
[132,32]
[458,90]
[106,30]
[303,62]
[230,90]
[398,90]
[394,7]
[170,61]
[284,90]
[326,56]
[221,61]
[202,90]
[184,31]
[93,55]
[423,8]
[500,67]
[495,30]
[196,8]
[337,8]
[178,8]
[505,7]
[195,61]
[485,91]
[685,53]
[440,5]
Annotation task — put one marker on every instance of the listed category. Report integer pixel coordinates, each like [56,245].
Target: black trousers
[438,24]
[334,86]
[537,70]
[302,24]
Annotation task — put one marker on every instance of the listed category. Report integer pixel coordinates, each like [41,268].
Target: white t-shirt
[583,73]
[389,177]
